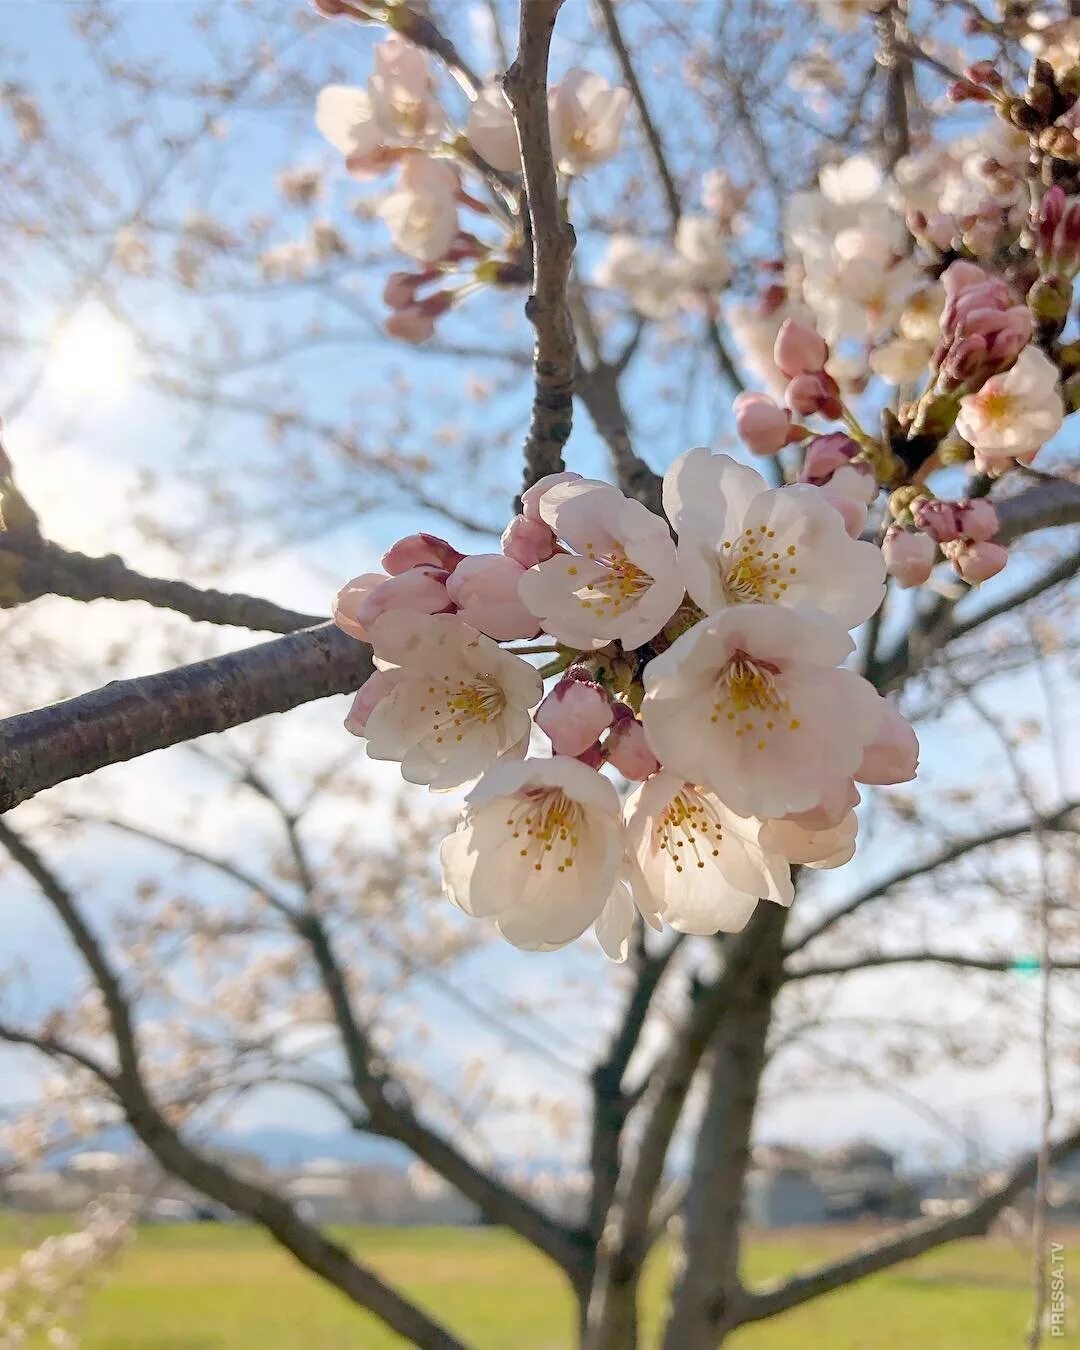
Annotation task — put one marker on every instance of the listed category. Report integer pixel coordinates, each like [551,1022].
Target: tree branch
[553,243]
[874,960]
[47,569]
[128,718]
[952,853]
[914,1240]
[307,1244]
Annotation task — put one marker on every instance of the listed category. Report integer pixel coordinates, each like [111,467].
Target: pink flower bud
[628,750]
[814,393]
[348,602]
[421,590]
[401,287]
[530,498]
[978,561]
[937,519]
[761,423]
[960,276]
[528,542]
[485,590]
[826,454]
[374,689]
[909,558]
[420,550]
[410,324]
[893,755]
[977,519]
[573,715]
[799,349]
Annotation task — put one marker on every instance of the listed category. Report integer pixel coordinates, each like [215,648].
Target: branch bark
[47,569]
[128,718]
[912,1241]
[553,240]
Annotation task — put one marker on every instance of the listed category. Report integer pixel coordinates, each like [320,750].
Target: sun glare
[92,357]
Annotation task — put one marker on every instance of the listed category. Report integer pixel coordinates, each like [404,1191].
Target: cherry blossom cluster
[443,171]
[708,673]
[45,1292]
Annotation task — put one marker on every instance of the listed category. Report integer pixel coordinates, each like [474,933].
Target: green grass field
[211,1287]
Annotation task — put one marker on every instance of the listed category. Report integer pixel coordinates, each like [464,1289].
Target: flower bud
[977,519]
[762,425]
[814,393]
[976,561]
[421,590]
[826,454]
[573,716]
[909,558]
[485,590]
[799,349]
[936,519]
[627,749]
[528,542]
[420,550]
[348,602]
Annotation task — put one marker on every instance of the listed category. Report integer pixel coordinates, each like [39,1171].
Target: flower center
[746,692]
[455,706]
[409,114]
[620,583]
[546,823]
[689,825]
[752,570]
[997,407]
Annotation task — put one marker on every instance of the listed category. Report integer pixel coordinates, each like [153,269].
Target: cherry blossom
[705,867]
[741,542]
[485,590]
[422,213]
[909,556]
[574,715]
[805,846]
[1014,413]
[491,131]
[763,425]
[538,850]
[458,701]
[587,116]
[750,704]
[622,580]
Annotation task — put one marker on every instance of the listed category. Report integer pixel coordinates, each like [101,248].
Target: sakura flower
[702,247]
[458,703]
[420,590]
[349,601]
[422,214]
[530,498]
[705,867]
[420,550]
[402,91]
[587,116]
[799,349]
[893,755]
[901,361]
[741,542]
[622,580]
[491,132]
[617,918]
[749,704]
[650,276]
[485,590]
[827,847]
[574,715]
[538,850]
[346,118]
[1014,413]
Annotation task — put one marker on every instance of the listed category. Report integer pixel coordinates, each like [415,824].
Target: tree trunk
[707,1288]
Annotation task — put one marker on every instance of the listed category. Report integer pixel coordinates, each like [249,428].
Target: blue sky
[84,459]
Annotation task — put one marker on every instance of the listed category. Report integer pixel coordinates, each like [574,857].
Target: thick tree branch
[553,242]
[914,1240]
[128,718]
[1041,507]
[47,569]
